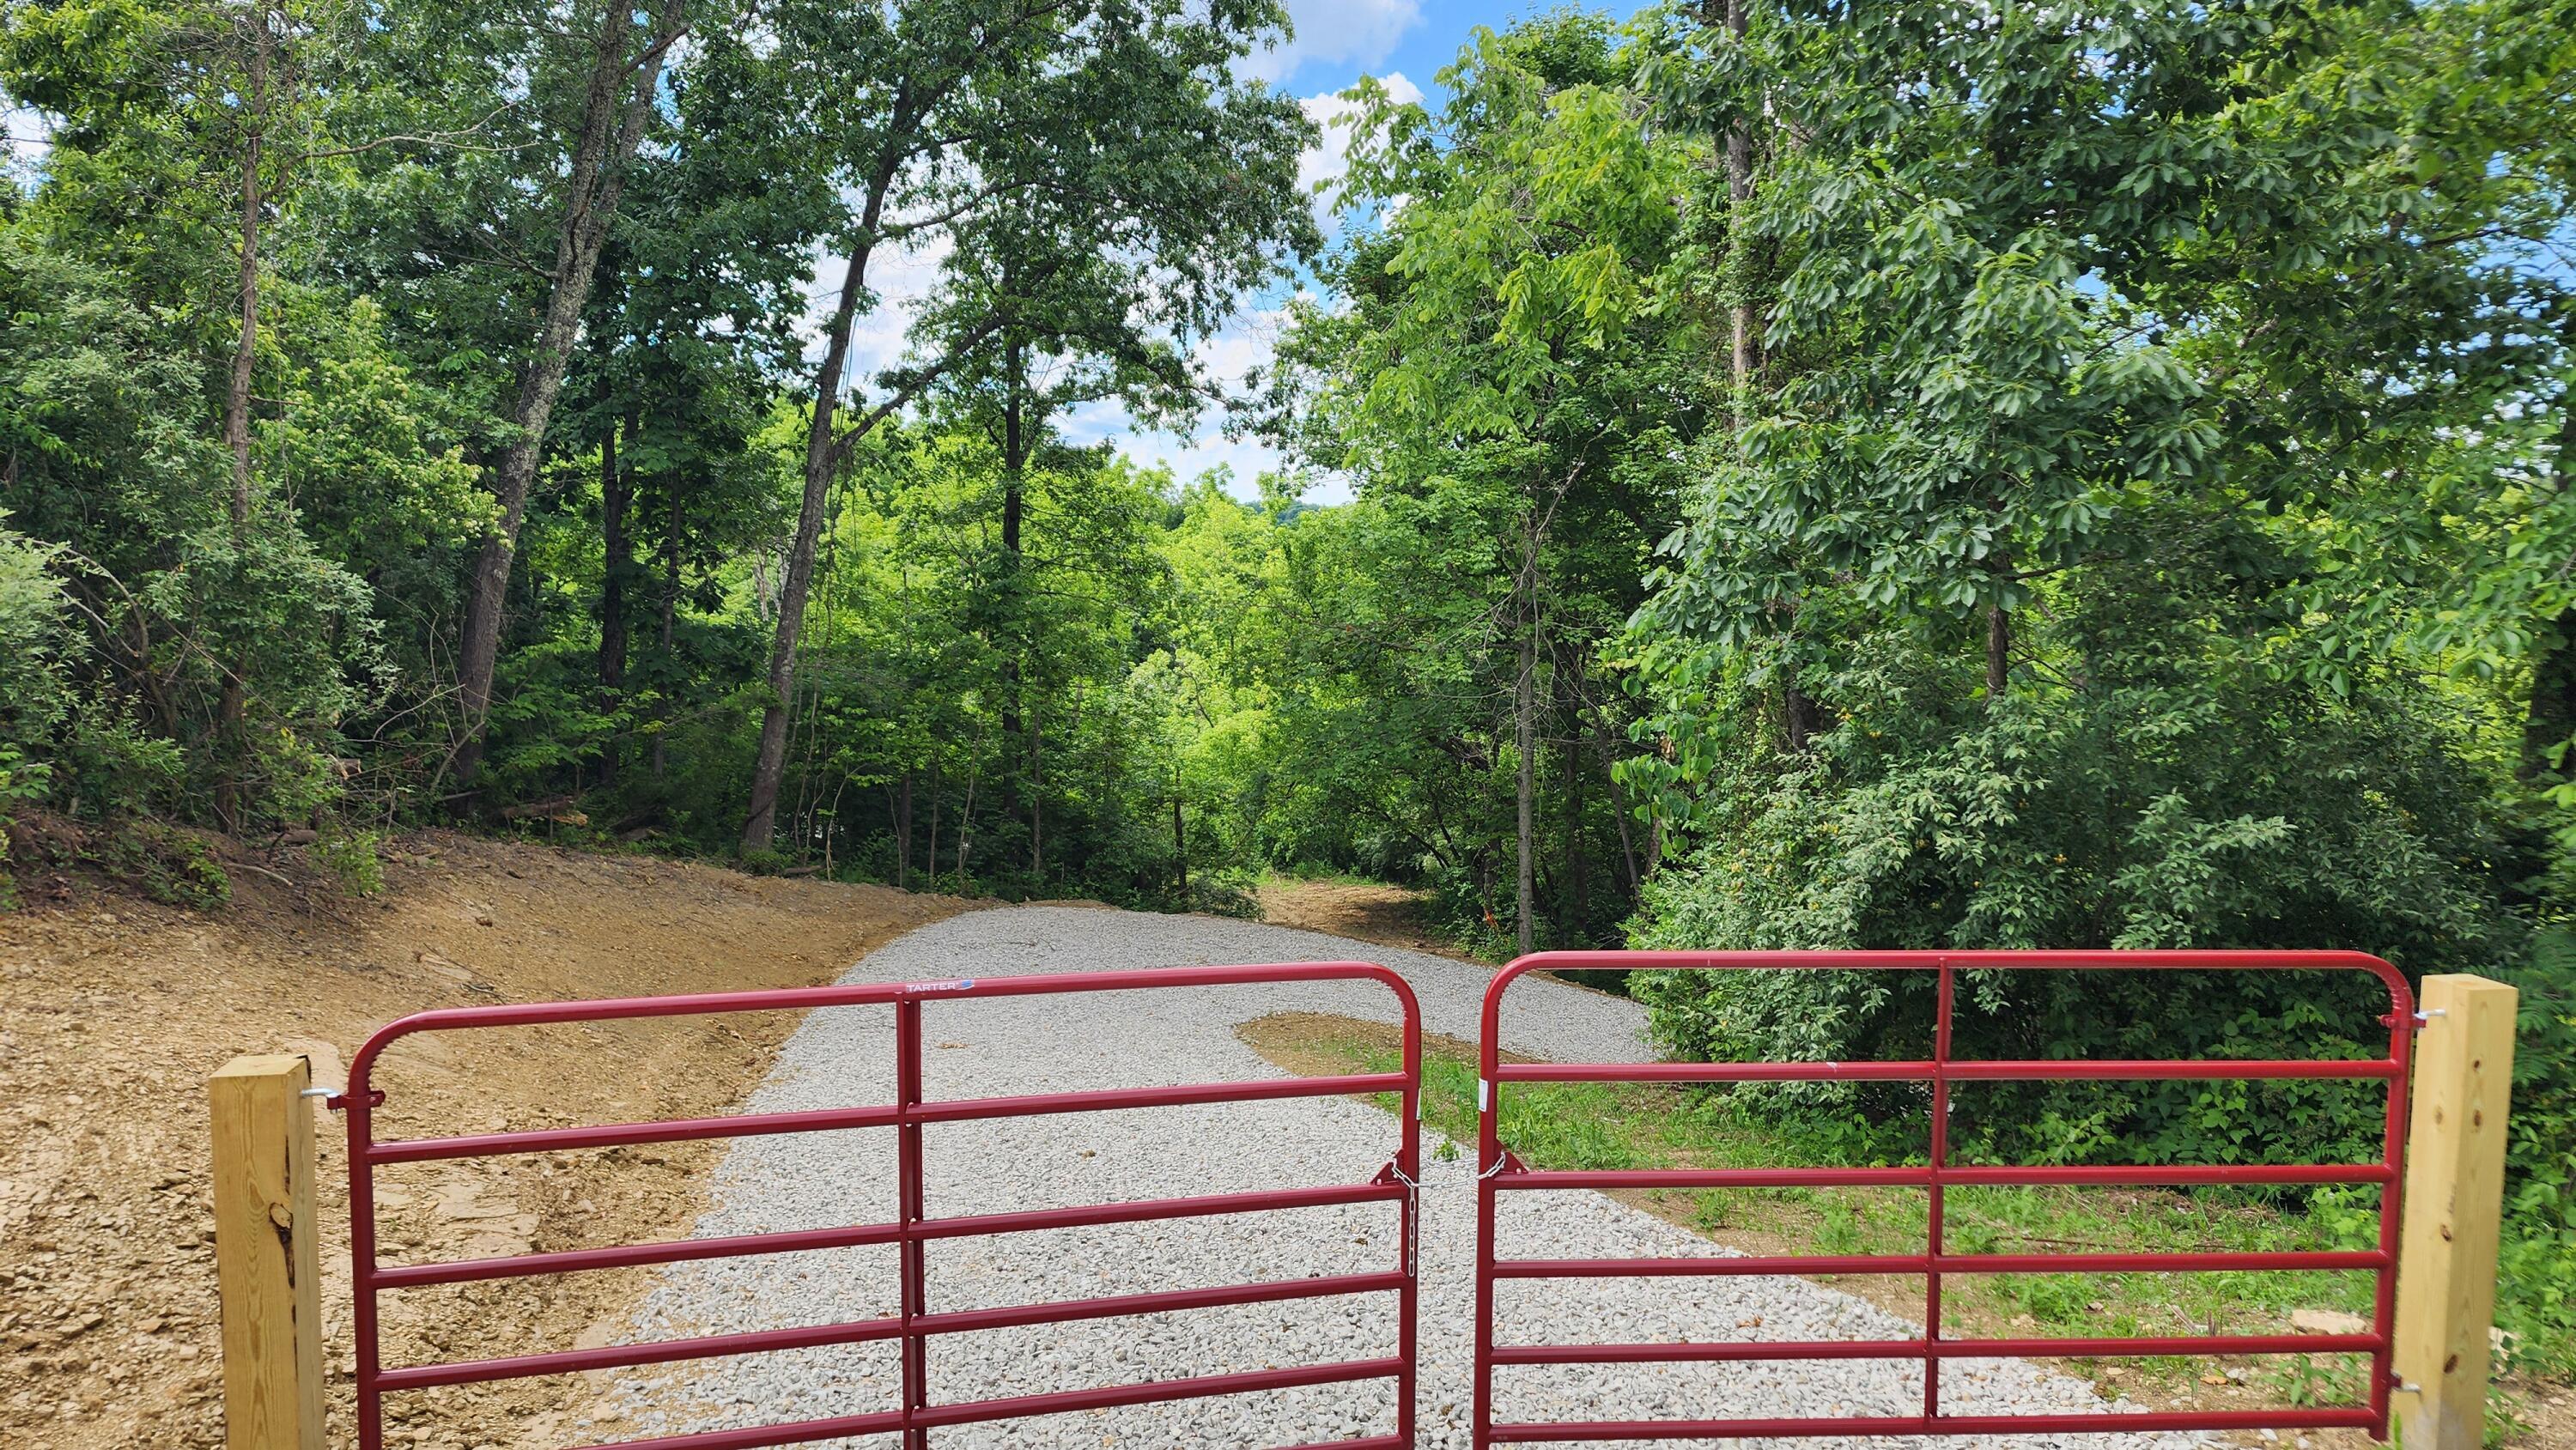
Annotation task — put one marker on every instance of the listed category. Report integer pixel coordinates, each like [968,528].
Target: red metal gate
[1498,1172]
[912,1325]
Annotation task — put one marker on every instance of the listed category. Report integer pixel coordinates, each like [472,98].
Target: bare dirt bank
[113,1010]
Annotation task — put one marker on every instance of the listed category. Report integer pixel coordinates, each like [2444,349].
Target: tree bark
[1180,842]
[2550,717]
[1525,725]
[936,800]
[822,459]
[1618,799]
[230,703]
[617,564]
[1015,466]
[1746,352]
[1797,708]
[1797,711]
[903,834]
[1998,653]
[670,623]
[1577,883]
[1037,798]
[612,126]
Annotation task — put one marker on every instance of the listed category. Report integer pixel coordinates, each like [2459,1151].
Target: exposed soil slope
[1391,916]
[114,1010]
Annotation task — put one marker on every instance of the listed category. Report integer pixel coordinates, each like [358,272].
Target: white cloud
[29,135]
[901,277]
[1329,160]
[1227,358]
[1248,343]
[1352,34]
[1187,457]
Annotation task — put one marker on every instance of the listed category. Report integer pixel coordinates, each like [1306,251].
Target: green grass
[1593,1125]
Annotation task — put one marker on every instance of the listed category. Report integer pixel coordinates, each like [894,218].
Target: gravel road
[1038,1044]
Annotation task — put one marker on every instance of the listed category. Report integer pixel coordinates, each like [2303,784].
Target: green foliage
[350,856]
[1597,1126]
[35,635]
[2537,1264]
[1509,377]
[170,864]
[2095,565]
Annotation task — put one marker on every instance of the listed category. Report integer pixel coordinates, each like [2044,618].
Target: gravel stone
[1041,1044]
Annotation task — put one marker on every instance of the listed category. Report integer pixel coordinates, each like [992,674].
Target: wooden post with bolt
[2454,1211]
[268,1262]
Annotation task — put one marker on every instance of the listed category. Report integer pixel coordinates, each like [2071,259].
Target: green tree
[1111,135]
[2067,383]
[1513,379]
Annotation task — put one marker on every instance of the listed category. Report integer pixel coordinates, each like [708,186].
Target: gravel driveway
[1039,1044]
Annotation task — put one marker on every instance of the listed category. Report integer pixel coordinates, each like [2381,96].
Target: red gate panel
[1498,1173]
[912,1325]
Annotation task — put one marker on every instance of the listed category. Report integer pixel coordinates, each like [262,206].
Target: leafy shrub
[34,636]
[170,865]
[350,857]
[2160,783]
[2537,1265]
[21,780]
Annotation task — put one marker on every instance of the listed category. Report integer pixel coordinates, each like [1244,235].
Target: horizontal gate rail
[1499,1172]
[912,1324]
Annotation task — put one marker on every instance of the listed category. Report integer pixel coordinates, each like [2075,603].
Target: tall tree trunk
[612,126]
[834,828]
[903,833]
[1037,798]
[1797,711]
[1577,883]
[1525,725]
[229,705]
[1739,195]
[936,800]
[1797,707]
[822,459]
[1618,799]
[616,498]
[1015,468]
[1180,842]
[670,623]
[2550,718]
[1015,453]
[1998,653]
[617,564]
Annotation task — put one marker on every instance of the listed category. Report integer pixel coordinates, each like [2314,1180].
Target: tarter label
[953,984]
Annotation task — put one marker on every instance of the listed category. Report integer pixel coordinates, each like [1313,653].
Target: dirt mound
[113,1011]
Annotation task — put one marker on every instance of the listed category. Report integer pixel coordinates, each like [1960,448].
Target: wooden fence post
[2454,1211]
[268,1262]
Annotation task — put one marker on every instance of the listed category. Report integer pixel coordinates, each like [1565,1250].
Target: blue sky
[1406,42]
